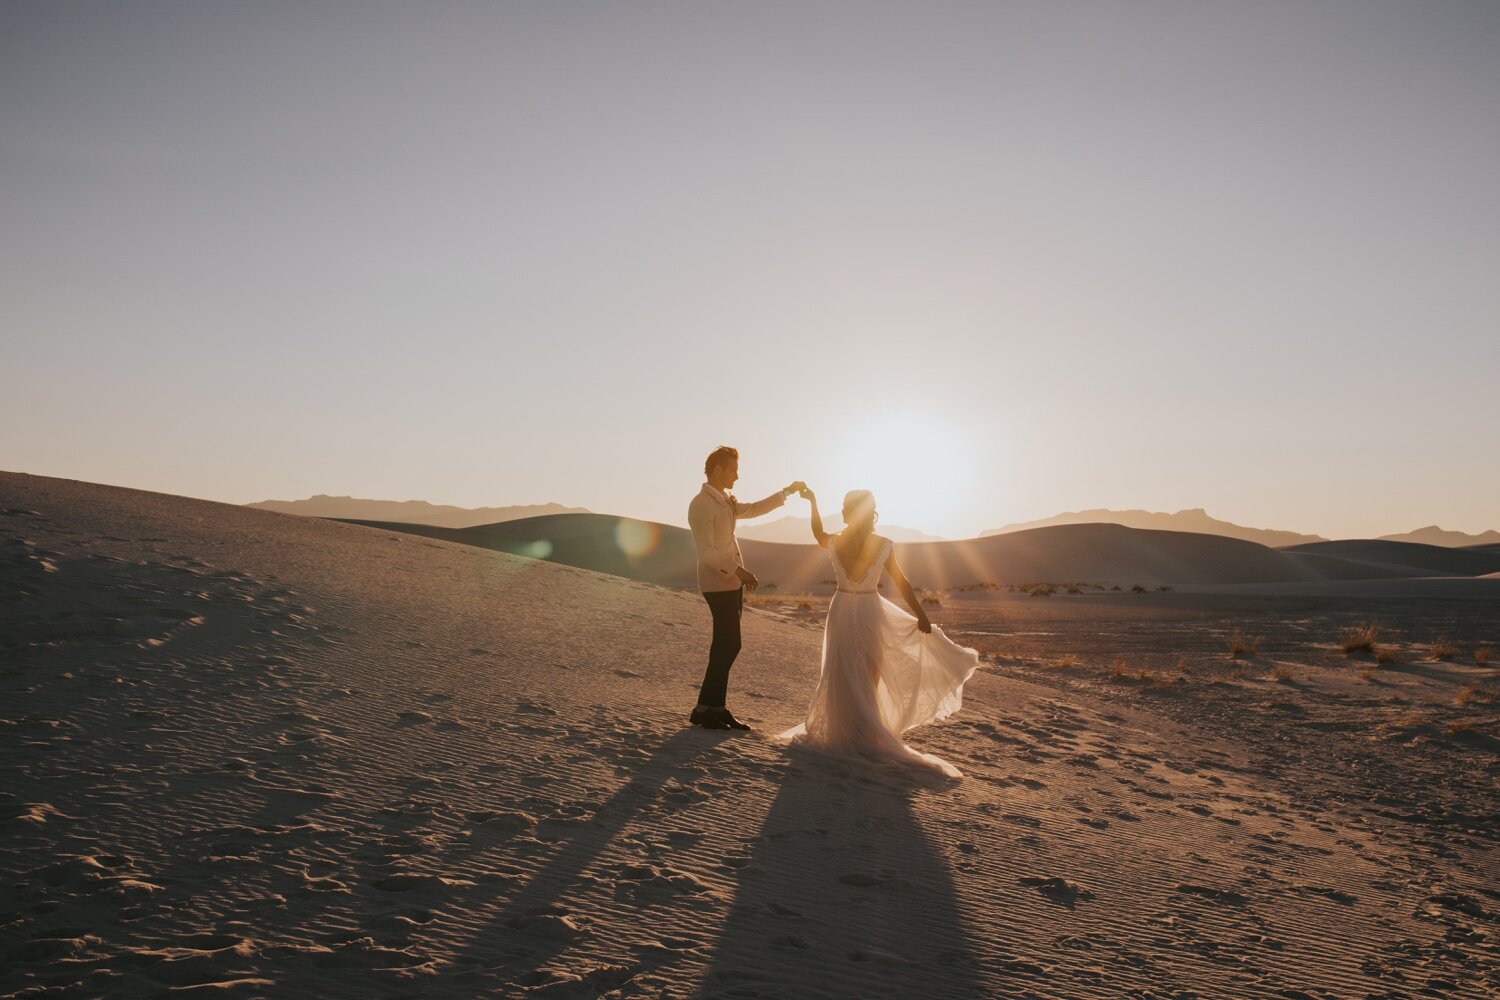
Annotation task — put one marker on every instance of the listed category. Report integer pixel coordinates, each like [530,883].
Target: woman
[884,671]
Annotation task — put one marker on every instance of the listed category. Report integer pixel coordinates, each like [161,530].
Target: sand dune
[1435,560]
[260,755]
[1105,554]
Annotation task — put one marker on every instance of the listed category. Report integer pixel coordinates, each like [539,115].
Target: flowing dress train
[881,675]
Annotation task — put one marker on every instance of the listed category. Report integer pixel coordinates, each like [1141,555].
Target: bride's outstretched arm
[907,594]
[819,535]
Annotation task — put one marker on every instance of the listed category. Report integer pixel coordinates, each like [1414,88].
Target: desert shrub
[1242,645]
[1282,675]
[1475,695]
[1074,590]
[1163,589]
[1444,650]
[1482,655]
[1115,587]
[1386,654]
[1137,589]
[1360,638]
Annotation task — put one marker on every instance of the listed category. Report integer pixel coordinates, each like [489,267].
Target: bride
[884,671]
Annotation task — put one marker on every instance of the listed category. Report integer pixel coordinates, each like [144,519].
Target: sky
[991,260]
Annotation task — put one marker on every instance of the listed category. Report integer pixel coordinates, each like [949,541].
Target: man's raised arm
[743,511]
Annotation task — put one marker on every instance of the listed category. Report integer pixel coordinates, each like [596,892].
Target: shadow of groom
[530,929]
[843,894]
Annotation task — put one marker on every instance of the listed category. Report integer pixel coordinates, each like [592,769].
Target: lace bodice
[867,583]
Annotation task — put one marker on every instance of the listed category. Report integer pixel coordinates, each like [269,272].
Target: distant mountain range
[1196,520]
[798,531]
[410,511]
[1433,535]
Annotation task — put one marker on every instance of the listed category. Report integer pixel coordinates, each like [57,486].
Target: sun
[917,464]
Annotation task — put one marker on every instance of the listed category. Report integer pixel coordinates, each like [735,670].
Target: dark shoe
[733,722]
[709,718]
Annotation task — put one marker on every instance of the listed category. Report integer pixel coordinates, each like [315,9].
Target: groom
[722,576]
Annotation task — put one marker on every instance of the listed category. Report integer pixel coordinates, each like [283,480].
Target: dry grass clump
[1444,650]
[1462,726]
[1482,656]
[1242,645]
[1065,662]
[802,602]
[1281,675]
[1038,589]
[1475,695]
[1118,670]
[1360,638]
[1385,654]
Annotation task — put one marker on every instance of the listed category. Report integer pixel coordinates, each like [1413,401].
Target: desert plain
[245,753]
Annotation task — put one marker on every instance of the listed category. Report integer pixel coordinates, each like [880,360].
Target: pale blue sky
[992,260]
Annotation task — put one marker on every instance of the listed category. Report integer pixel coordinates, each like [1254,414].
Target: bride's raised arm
[819,535]
[910,596]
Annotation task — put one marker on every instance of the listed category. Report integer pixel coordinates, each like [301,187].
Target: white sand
[257,754]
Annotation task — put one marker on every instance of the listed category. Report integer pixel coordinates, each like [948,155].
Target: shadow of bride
[843,894]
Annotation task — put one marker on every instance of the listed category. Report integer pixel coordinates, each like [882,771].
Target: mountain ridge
[798,530]
[1190,519]
[409,511]
[1433,535]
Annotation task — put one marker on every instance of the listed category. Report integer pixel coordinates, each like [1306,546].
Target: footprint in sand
[1224,896]
[552,921]
[1058,890]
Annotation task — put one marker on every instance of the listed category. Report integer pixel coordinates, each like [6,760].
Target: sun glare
[917,465]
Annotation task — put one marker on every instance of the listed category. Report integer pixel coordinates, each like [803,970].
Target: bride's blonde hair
[859,518]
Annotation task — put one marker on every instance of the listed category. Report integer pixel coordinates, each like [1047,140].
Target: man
[722,576]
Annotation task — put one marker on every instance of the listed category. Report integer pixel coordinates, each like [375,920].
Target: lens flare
[637,538]
[539,549]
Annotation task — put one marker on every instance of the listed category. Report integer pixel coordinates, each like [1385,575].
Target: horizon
[785,513]
[993,264]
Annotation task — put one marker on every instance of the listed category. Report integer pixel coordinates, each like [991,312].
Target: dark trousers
[726,606]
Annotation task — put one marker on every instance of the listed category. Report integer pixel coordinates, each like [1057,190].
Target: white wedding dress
[881,675]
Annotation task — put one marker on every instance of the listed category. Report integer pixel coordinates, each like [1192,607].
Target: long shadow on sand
[843,895]
[534,924]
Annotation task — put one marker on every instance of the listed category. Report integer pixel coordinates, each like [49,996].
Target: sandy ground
[260,755]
